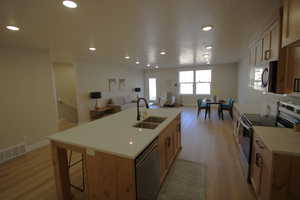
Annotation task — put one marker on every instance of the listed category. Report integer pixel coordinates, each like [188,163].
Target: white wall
[65,83]
[27,103]
[92,76]
[224,81]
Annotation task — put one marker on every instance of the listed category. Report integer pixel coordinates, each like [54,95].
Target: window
[203,82]
[186,82]
[152,89]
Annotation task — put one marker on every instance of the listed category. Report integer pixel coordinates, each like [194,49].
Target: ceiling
[138,28]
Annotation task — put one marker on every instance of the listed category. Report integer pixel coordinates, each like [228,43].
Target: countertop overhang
[115,134]
[279,140]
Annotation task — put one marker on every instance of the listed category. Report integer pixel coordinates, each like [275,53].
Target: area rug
[185,181]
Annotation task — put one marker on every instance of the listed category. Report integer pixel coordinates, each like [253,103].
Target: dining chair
[201,106]
[228,106]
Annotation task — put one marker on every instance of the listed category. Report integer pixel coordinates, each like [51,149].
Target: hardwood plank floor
[208,142]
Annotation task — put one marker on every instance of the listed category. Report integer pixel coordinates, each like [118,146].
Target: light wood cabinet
[275,40]
[169,146]
[259,52]
[271,43]
[274,176]
[291,22]
[252,56]
[260,169]
[267,46]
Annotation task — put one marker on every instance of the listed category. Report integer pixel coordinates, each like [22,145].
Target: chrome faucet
[138,117]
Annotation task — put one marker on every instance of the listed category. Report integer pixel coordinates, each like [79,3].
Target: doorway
[66,95]
[152,90]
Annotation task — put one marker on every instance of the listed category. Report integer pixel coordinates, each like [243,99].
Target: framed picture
[112,84]
[122,84]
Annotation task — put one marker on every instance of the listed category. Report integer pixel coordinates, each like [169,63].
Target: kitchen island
[109,147]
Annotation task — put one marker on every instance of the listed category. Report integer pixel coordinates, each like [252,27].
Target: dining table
[212,101]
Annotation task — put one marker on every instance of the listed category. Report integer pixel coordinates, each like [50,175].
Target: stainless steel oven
[288,116]
[245,137]
[245,141]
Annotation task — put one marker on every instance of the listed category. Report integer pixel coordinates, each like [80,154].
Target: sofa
[120,103]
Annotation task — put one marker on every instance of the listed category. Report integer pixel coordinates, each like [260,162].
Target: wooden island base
[110,177]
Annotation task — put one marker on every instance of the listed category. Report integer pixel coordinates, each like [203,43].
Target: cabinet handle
[258,160]
[168,141]
[267,55]
[259,144]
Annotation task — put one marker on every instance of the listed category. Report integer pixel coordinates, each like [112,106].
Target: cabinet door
[291,22]
[266,176]
[169,150]
[259,52]
[163,154]
[275,41]
[252,55]
[179,134]
[256,169]
[267,46]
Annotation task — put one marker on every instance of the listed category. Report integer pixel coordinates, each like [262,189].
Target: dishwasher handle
[153,147]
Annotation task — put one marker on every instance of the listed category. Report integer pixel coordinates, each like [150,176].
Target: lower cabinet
[169,145]
[274,176]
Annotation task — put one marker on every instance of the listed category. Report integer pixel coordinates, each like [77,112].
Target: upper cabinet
[259,52]
[263,50]
[271,43]
[291,22]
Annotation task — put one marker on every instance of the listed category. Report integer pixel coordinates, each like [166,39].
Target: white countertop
[115,134]
[279,140]
[248,108]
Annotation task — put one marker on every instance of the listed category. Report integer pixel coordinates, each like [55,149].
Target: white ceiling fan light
[207,28]
[92,49]
[208,47]
[127,57]
[70,4]
[148,65]
[137,62]
[206,56]
[163,53]
[12,28]
[156,67]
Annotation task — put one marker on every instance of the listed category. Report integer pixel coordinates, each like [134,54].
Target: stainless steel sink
[150,123]
[154,119]
[146,125]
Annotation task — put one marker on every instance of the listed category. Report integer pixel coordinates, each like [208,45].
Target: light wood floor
[208,142]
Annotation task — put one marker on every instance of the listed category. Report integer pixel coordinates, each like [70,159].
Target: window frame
[209,82]
[193,82]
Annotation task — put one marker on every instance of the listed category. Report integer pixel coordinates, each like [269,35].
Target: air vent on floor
[12,152]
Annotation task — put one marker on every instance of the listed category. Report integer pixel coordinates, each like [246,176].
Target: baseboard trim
[37,145]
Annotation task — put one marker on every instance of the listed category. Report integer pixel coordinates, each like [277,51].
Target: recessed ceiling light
[206,56]
[148,65]
[127,57]
[92,49]
[69,4]
[208,47]
[137,62]
[207,28]
[13,28]
[163,53]
[156,66]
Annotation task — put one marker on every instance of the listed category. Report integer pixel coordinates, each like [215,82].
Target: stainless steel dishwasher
[147,166]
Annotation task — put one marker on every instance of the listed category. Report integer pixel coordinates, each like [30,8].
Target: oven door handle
[244,125]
